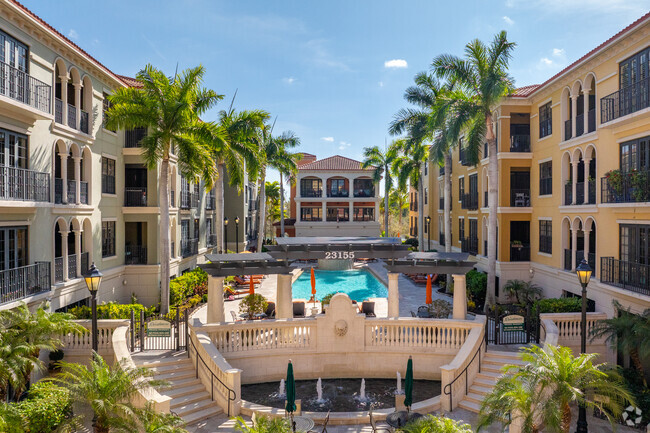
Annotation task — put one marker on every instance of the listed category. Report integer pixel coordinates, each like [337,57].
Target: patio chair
[368,308]
[324,430]
[234,317]
[520,199]
[413,314]
[375,428]
[298,309]
[270,310]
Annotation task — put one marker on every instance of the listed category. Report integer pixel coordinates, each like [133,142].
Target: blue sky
[332,71]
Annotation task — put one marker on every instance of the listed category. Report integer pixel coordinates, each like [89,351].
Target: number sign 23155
[339,255]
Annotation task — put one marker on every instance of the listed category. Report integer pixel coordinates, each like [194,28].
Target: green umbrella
[408,384]
[291,389]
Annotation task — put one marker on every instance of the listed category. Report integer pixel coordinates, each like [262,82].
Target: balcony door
[13,149]
[13,58]
[13,247]
[634,243]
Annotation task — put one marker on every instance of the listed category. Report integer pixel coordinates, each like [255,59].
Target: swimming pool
[358,284]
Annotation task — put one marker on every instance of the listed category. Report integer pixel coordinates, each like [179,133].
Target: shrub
[634,382]
[525,293]
[325,300]
[559,305]
[194,282]
[440,309]
[112,310]
[253,304]
[46,406]
[476,286]
[412,242]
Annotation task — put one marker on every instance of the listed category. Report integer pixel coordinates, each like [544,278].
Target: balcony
[469,201]
[83,192]
[22,87]
[194,200]
[631,276]
[84,263]
[469,245]
[72,191]
[132,137]
[591,120]
[580,125]
[626,101]
[464,157]
[72,116]
[84,124]
[338,193]
[311,193]
[185,199]
[520,143]
[211,240]
[568,133]
[135,196]
[519,253]
[625,187]
[135,255]
[26,185]
[72,266]
[520,197]
[189,247]
[58,110]
[366,192]
[441,204]
[210,202]
[19,283]
[58,270]
[441,237]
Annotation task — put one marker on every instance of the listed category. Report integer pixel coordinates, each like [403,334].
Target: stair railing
[448,388]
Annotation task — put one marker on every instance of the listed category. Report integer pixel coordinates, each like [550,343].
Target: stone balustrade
[78,346]
[563,329]
[415,334]
[294,334]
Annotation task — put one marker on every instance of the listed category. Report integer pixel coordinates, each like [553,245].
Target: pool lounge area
[358,284]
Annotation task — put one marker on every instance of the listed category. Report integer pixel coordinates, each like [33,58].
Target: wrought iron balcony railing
[20,86]
[580,125]
[469,201]
[189,247]
[84,122]
[26,185]
[469,245]
[311,193]
[520,253]
[568,132]
[58,269]
[520,197]
[625,101]
[520,143]
[631,276]
[631,187]
[135,255]
[135,196]
[19,283]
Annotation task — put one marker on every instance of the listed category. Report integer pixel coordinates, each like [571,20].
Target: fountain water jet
[319,390]
[362,391]
[399,383]
[281,392]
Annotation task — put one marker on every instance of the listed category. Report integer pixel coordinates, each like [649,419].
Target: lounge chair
[375,428]
[270,310]
[299,309]
[368,308]
[229,291]
[241,282]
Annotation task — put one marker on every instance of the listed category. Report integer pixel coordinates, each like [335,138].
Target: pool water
[358,284]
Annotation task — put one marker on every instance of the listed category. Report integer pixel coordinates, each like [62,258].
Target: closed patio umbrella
[291,390]
[251,289]
[313,286]
[408,384]
[429,297]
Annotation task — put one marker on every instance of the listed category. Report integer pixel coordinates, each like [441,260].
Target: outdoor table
[401,418]
[303,423]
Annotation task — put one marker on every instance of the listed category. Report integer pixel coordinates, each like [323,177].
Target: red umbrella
[313,286]
[252,287]
[429,300]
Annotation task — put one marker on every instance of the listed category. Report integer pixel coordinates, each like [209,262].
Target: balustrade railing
[21,184]
[265,335]
[20,86]
[19,283]
[384,334]
[135,196]
[625,101]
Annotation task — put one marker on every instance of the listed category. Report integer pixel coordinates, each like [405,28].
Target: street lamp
[428,220]
[225,235]
[93,278]
[584,275]
[237,234]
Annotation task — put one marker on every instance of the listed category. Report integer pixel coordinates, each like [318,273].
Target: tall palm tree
[480,81]
[169,107]
[382,162]
[236,151]
[400,201]
[108,391]
[272,194]
[274,153]
[553,380]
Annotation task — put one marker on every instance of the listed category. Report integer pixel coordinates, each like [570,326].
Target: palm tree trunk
[262,217]
[566,417]
[164,236]
[638,364]
[221,247]
[493,197]
[281,206]
[386,193]
[420,211]
[447,211]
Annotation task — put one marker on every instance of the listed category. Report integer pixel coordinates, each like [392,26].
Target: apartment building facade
[333,197]
[73,192]
[573,164]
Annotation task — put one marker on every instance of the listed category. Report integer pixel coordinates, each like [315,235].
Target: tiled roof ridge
[320,162]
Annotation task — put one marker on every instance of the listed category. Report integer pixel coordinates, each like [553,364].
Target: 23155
[339,255]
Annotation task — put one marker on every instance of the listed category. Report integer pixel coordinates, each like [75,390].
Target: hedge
[559,305]
[46,406]
[112,310]
[476,287]
[192,283]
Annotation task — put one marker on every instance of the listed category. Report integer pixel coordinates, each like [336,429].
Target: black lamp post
[584,275]
[225,235]
[237,234]
[93,278]
[428,220]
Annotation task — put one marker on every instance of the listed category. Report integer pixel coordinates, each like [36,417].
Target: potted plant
[517,244]
[615,183]
[639,181]
[253,305]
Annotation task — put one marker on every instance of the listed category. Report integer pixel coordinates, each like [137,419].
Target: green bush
[476,286]
[194,282]
[253,304]
[559,305]
[413,242]
[634,382]
[112,310]
[46,406]
[325,300]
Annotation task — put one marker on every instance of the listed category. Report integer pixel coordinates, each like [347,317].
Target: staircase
[190,400]
[491,364]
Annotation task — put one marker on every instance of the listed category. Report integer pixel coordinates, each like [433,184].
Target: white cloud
[289,80]
[72,34]
[344,145]
[558,52]
[508,20]
[395,63]
[330,139]
[381,84]
[546,61]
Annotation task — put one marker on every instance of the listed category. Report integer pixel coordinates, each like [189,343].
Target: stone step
[181,383]
[503,361]
[502,354]
[492,368]
[188,399]
[166,368]
[476,398]
[480,388]
[190,387]
[160,362]
[175,375]
[196,406]
[470,405]
[484,382]
[199,416]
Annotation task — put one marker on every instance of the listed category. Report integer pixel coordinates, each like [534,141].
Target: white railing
[564,328]
[415,333]
[82,342]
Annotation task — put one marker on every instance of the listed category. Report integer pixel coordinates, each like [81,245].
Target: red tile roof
[335,163]
[131,82]
[523,92]
[65,39]
[627,29]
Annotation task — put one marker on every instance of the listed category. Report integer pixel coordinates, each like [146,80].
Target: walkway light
[584,275]
[225,235]
[584,272]
[237,234]
[93,278]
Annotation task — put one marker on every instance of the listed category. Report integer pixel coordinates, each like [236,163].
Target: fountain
[362,391]
[399,384]
[319,391]
[281,392]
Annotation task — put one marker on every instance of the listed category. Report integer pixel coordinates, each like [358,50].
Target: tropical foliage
[436,424]
[262,424]
[524,292]
[381,162]
[253,304]
[112,310]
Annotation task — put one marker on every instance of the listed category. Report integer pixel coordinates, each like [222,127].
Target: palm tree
[108,391]
[436,424]
[525,292]
[552,380]
[628,333]
[400,201]
[236,152]
[381,162]
[169,107]
[274,153]
[157,422]
[263,424]
[272,194]
[479,83]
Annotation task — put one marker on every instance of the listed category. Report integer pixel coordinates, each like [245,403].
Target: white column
[574,105]
[297,210]
[324,216]
[77,177]
[574,180]
[64,99]
[586,175]
[460,297]
[215,300]
[377,212]
[64,252]
[586,234]
[393,294]
[585,104]
[64,177]
[77,249]
[77,104]
[351,210]
[283,298]
[574,247]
